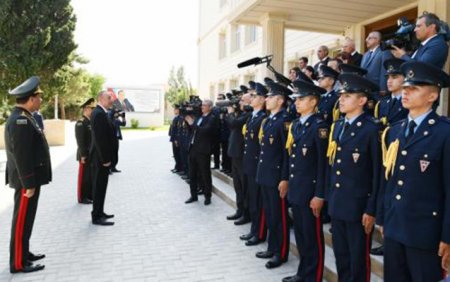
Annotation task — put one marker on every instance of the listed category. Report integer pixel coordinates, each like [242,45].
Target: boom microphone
[254,61]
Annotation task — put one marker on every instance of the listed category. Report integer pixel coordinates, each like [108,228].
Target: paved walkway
[156,236]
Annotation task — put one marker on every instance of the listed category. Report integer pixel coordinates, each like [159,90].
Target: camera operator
[117,118]
[203,128]
[433,49]
[221,139]
[236,118]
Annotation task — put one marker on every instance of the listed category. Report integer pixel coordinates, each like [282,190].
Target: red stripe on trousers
[283,220]
[368,238]
[20,223]
[80,180]
[262,224]
[319,244]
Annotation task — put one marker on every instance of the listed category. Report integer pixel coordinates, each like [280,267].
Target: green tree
[36,38]
[179,89]
[96,82]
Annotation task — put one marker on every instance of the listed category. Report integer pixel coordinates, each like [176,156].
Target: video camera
[192,107]
[404,37]
[232,100]
[116,113]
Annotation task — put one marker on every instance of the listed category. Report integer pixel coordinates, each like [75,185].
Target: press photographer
[432,34]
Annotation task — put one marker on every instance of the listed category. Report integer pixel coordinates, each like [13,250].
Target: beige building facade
[232,31]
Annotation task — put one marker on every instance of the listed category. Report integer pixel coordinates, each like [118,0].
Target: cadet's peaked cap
[303,88]
[304,77]
[419,73]
[260,89]
[27,88]
[326,71]
[348,68]
[278,89]
[89,103]
[392,66]
[251,83]
[267,80]
[244,88]
[353,83]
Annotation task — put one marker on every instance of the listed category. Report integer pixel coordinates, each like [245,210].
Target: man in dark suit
[349,47]
[414,200]
[122,103]
[433,49]
[204,128]
[322,55]
[118,119]
[372,61]
[83,135]
[174,133]
[27,168]
[101,153]
[235,121]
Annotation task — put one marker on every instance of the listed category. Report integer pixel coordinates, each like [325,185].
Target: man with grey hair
[101,154]
[322,54]
[204,128]
[348,46]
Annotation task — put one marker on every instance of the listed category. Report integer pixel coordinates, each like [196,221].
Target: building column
[273,42]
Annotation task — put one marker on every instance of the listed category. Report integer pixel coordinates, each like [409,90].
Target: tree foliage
[179,89]
[36,38]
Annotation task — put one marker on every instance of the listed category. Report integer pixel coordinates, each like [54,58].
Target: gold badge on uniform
[323,133]
[271,140]
[304,151]
[355,157]
[424,165]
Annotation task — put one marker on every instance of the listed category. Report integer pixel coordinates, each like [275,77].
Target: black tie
[411,126]
[346,126]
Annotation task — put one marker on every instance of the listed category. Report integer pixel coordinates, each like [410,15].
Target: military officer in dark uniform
[327,105]
[252,147]
[83,135]
[389,109]
[28,167]
[414,205]
[307,146]
[174,133]
[354,153]
[272,175]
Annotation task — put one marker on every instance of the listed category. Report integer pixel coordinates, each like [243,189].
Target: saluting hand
[283,188]
[316,205]
[444,252]
[368,222]
[29,192]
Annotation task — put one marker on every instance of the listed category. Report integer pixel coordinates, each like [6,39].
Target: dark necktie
[346,126]
[411,126]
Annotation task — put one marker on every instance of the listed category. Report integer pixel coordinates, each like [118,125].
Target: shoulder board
[22,121]
[399,122]
[372,119]
[444,119]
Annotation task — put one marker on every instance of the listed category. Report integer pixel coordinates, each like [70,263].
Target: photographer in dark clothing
[117,118]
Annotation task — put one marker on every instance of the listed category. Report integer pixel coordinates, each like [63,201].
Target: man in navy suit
[433,49]
[322,55]
[272,175]
[355,158]
[372,61]
[414,198]
[307,146]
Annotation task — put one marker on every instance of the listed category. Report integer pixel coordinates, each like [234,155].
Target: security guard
[327,106]
[354,153]
[272,175]
[389,109]
[174,132]
[27,168]
[307,146]
[252,148]
[414,206]
[83,135]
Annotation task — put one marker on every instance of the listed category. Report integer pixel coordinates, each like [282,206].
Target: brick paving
[156,236]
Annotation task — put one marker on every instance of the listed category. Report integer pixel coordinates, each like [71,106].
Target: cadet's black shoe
[102,221]
[379,251]
[107,215]
[274,262]
[28,268]
[33,257]
[184,177]
[252,241]
[234,216]
[246,236]
[115,170]
[264,254]
[86,201]
[294,278]
[242,220]
[174,170]
[207,201]
[191,200]
[215,167]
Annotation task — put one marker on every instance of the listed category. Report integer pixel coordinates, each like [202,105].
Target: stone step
[223,188]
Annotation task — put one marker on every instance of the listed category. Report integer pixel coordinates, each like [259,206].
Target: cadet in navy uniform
[327,105]
[272,175]
[27,168]
[389,109]
[307,146]
[252,148]
[83,135]
[174,133]
[414,205]
[185,136]
[354,153]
